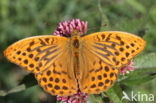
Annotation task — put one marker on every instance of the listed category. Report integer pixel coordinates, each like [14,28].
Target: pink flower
[66,28]
[76,98]
[127,68]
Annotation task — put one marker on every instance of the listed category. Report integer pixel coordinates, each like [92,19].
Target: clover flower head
[66,28]
[79,97]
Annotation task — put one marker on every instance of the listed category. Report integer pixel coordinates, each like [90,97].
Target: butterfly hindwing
[56,80]
[98,77]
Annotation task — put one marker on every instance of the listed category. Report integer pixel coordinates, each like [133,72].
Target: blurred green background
[23,18]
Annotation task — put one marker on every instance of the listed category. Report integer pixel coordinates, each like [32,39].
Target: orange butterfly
[64,65]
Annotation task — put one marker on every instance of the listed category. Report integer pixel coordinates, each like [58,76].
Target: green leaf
[14,90]
[130,81]
[115,94]
[27,82]
[145,61]
[95,99]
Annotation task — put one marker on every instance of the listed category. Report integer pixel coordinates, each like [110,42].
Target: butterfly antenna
[97,27]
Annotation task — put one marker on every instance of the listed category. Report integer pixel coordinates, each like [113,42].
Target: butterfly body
[65,65]
[75,44]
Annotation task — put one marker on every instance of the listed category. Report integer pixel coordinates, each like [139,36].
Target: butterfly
[86,63]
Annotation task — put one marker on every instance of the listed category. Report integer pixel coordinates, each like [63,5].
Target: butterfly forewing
[116,48]
[103,54]
[46,56]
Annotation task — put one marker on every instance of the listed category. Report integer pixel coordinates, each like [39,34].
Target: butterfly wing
[97,76]
[47,57]
[103,54]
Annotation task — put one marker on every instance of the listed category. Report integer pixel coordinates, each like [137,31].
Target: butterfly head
[76,33]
